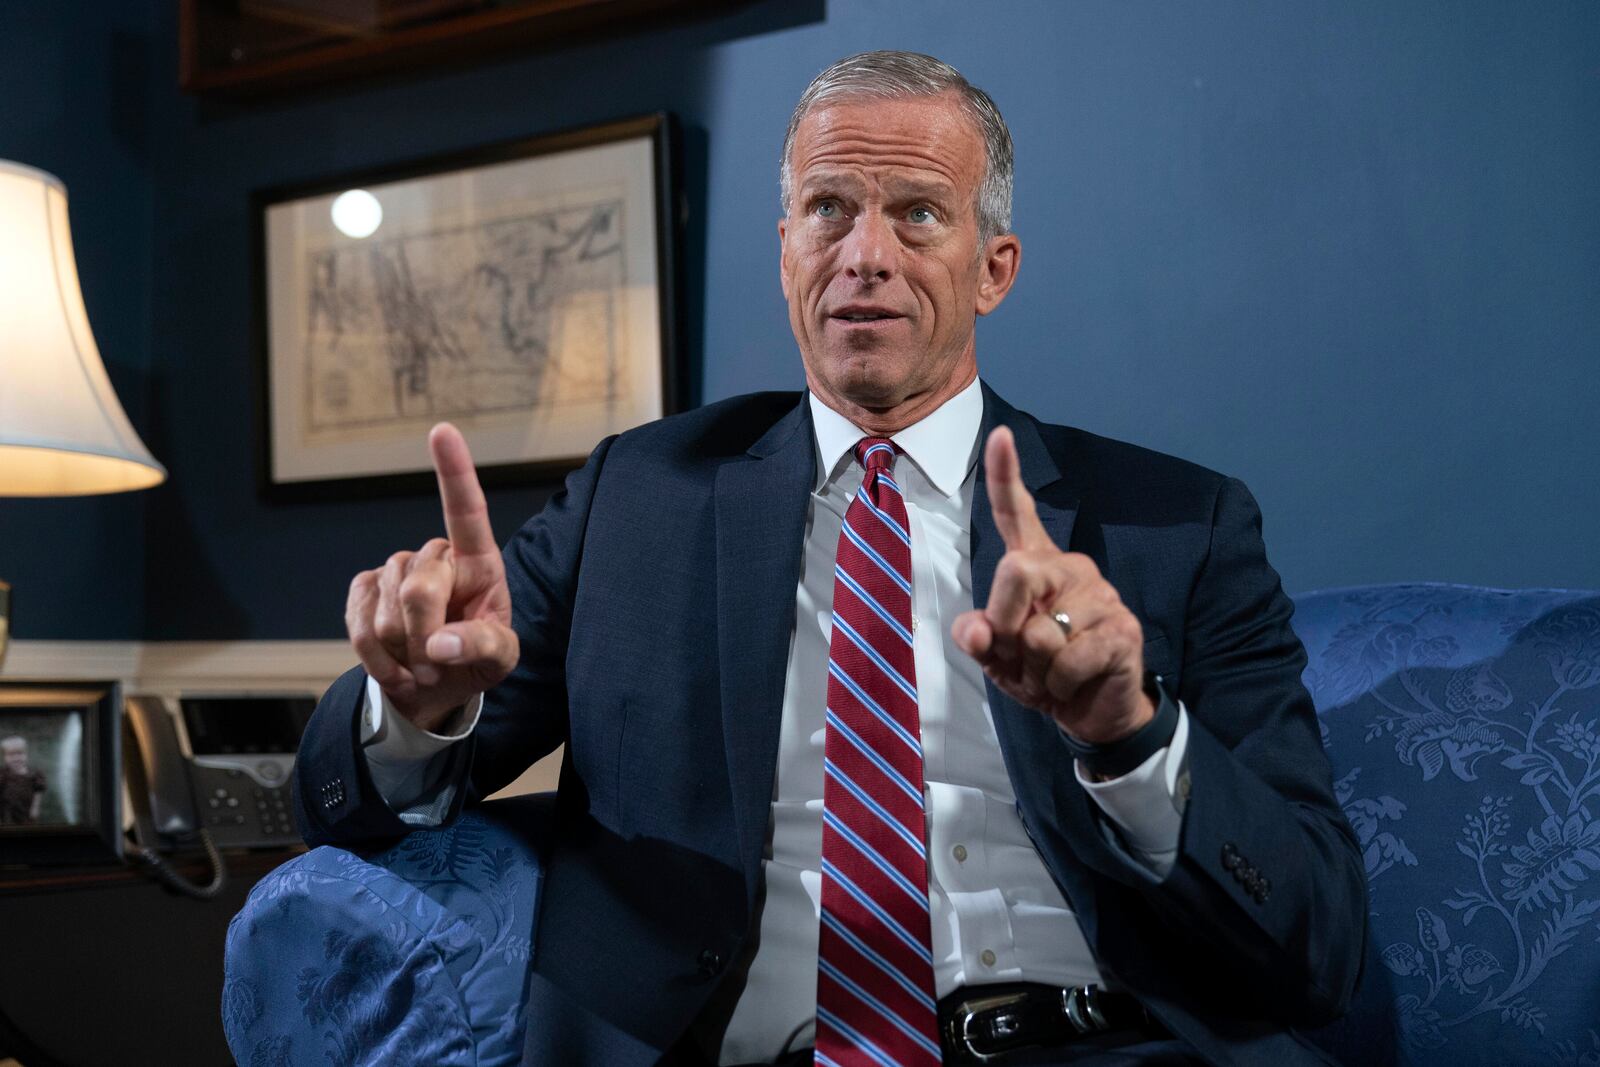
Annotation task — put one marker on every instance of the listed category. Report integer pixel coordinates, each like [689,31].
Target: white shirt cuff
[409,764]
[1147,803]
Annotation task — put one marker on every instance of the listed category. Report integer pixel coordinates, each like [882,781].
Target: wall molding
[198,667]
[171,666]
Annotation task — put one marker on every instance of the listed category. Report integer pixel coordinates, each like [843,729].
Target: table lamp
[62,430]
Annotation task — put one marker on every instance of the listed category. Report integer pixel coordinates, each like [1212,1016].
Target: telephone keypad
[226,808]
[274,812]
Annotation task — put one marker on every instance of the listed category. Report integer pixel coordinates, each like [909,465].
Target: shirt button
[987,957]
[960,853]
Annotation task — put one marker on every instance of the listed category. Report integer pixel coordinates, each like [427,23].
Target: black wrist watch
[1121,756]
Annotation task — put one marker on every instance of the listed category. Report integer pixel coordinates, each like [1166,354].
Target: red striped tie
[875,1000]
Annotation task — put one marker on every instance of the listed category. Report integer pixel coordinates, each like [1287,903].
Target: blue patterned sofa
[415,955]
[1464,729]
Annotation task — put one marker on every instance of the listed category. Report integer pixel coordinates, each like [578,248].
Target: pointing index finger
[466,513]
[1012,504]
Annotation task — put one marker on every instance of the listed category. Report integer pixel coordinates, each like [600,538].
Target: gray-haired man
[1098,866]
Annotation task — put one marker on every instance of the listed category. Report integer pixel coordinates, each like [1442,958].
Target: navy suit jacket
[654,600]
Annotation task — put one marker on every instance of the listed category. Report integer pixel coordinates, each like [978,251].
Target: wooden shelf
[248,865]
[259,47]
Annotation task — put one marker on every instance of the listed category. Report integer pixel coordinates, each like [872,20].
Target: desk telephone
[210,773]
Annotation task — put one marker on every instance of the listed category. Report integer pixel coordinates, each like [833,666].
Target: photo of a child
[22,786]
[41,768]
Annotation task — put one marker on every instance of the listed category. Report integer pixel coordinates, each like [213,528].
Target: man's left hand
[1088,676]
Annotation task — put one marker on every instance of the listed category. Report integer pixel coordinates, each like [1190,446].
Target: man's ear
[998,271]
[783,256]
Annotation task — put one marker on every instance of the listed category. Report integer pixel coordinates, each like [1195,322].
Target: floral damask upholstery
[415,955]
[1464,729]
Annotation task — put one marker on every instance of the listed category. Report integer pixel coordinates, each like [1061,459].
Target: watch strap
[1118,757]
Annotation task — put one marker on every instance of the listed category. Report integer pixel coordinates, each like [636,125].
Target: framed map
[523,292]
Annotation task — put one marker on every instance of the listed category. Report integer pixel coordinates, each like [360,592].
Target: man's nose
[871,250]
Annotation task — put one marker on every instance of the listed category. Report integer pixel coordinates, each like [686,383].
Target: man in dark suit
[1125,847]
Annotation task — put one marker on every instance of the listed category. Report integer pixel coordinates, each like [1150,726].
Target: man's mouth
[859,315]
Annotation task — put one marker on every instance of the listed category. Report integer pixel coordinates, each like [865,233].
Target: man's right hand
[433,627]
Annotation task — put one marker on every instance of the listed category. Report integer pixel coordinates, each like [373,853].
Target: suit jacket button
[1230,857]
[710,962]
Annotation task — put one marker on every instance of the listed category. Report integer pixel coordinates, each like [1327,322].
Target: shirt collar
[943,444]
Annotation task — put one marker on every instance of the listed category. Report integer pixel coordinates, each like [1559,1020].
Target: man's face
[881,264]
[16,757]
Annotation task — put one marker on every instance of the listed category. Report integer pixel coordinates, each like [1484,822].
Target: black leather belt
[981,1024]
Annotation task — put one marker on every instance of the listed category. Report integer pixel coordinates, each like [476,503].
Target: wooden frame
[73,742]
[525,291]
[256,47]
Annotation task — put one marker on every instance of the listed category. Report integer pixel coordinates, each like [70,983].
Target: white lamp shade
[62,430]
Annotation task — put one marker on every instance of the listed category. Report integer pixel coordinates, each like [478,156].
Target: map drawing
[515,314]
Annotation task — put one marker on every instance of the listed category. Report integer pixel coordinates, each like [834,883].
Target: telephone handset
[162,798]
[212,772]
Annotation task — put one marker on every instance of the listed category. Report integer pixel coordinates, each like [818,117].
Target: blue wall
[1349,252]
[74,100]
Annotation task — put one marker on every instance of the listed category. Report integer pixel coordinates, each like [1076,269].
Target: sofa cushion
[1464,729]
[417,954]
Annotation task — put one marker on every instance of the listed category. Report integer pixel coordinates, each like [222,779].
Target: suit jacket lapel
[1041,774]
[761,500]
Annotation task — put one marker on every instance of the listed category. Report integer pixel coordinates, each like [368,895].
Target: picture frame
[526,291]
[60,773]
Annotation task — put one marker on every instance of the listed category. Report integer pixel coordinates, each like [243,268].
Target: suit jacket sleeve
[523,719]
[1268,887]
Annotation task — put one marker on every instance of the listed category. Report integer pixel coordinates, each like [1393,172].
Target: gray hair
[13,741]
[897,75]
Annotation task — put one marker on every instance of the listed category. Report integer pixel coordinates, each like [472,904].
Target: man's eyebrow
[913,188]
[899,189]
[829,180]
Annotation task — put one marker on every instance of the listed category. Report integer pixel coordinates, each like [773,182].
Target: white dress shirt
[997,916]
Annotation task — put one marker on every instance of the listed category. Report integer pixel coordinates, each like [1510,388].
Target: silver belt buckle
[1082,1008]
[967,1013]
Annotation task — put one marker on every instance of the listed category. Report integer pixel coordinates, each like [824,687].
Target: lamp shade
[62,430]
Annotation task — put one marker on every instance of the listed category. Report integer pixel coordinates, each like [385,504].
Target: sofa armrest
[416,954]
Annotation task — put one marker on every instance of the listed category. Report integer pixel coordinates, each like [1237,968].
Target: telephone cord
[168,876]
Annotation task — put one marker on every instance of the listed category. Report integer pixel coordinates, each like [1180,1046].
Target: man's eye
[827,209]
[920,214]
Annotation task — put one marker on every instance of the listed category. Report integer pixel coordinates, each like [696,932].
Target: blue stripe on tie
[884,479]
[876,911]
[875,449]
[873,857]
[856,1038]
[832,770]
[866,598]
[871,955]
[824,1060]
[912,741]
[837,724]
[872,554]
[876,657]
[888,520]
[880,1007]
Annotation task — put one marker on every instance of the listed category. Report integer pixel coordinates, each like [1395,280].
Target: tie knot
[876,453]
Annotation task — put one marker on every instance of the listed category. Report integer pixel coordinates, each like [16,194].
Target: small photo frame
[524,292]
[60,773]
